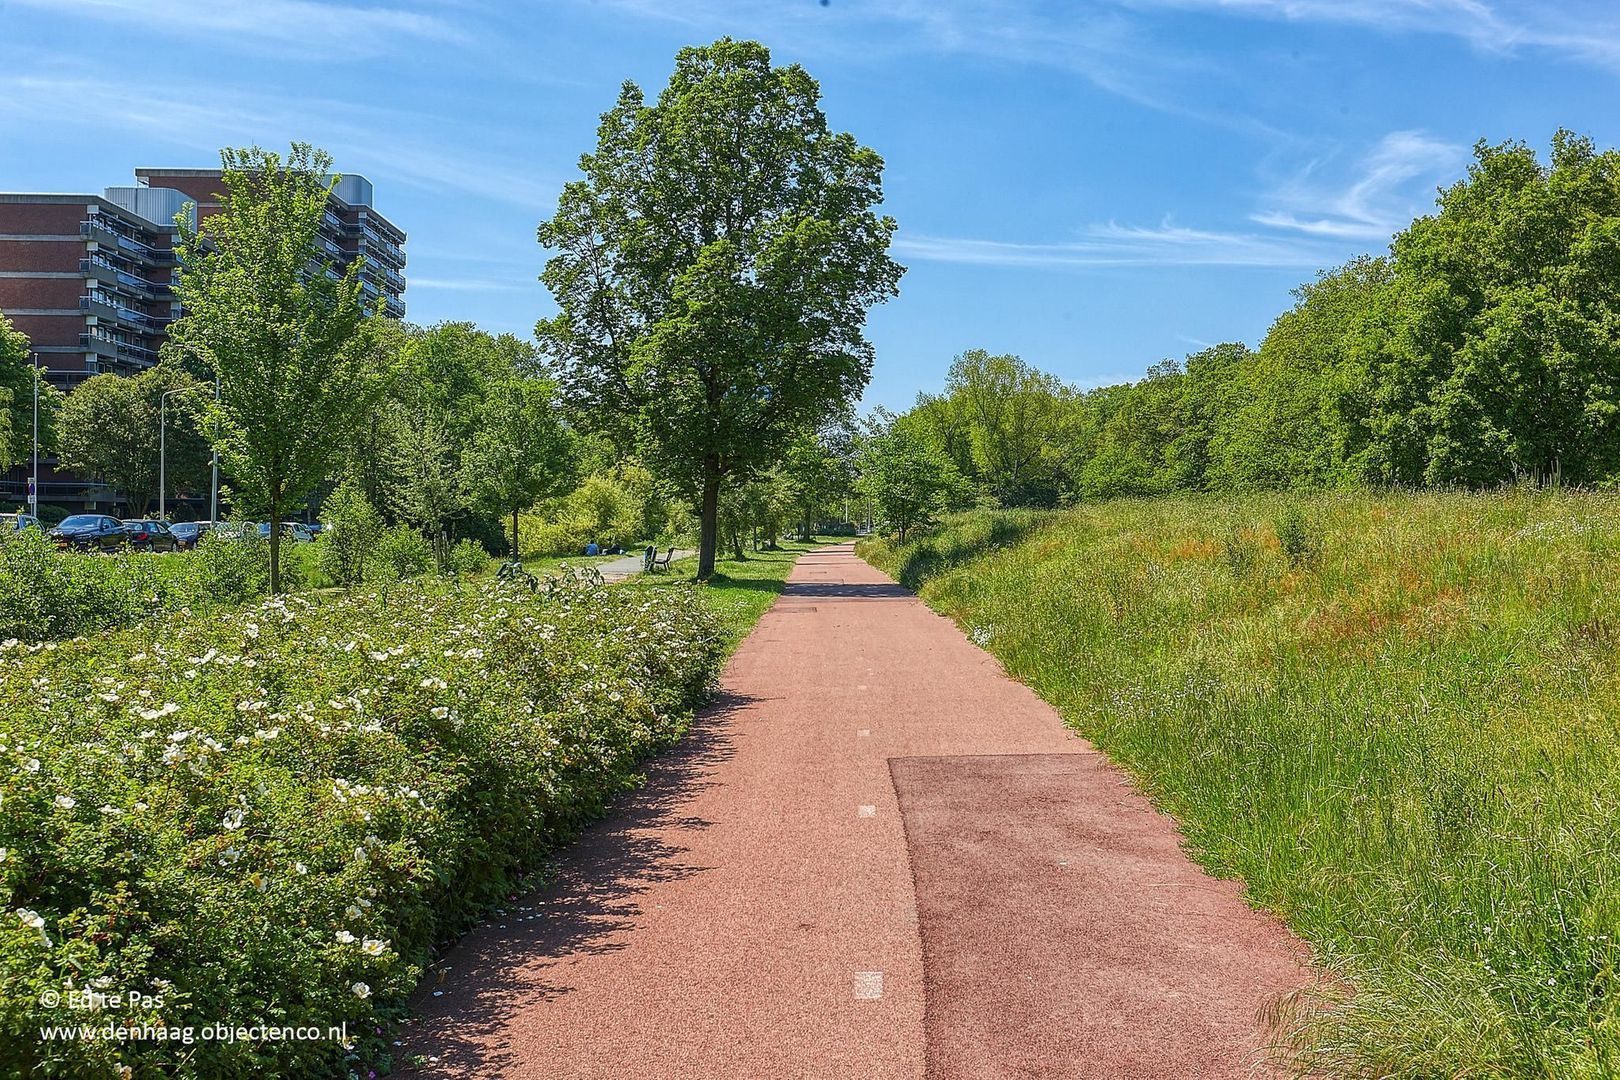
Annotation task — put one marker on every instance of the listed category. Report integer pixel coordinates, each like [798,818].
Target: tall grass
[1398,723]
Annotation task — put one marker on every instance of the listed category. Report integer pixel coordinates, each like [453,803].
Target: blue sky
[1093,184]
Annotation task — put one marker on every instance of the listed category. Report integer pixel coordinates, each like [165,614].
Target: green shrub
[1299,535]
[468,557]
[47,594]
[353,528]
[271,816]
[235,566]
[402,552]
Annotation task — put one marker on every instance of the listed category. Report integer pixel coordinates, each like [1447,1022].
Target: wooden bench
[663,564]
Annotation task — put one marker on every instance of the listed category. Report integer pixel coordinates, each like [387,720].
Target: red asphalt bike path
[877,856]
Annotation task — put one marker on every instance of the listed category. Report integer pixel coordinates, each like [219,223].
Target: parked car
[187,534]
[233,530]
[17,522]
[145,534]
[296,531]
[90,532]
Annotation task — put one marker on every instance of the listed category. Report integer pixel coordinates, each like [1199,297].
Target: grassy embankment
[1395,717]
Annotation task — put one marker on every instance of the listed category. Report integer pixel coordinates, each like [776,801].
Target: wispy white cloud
[384,144]
[1392,183]
[1587,30]
[1308,222]
[303,27]
[1099,41]
[1112,244]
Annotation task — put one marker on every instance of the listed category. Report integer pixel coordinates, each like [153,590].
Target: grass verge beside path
[1396,717]
[741,589]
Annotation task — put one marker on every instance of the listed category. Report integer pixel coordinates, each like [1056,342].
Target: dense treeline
[1483,348]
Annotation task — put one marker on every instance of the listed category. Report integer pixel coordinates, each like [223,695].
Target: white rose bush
[273,815]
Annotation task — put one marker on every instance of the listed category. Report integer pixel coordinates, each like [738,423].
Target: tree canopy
[1484,348]
[17,375]
[111,427]
[282,329]
[713,268]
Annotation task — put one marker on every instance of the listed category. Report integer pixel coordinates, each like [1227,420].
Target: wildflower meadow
[1391,715]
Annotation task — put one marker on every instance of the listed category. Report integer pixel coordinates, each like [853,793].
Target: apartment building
[90,279]
[351,230]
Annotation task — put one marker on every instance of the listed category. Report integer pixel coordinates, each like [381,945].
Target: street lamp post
[33,483]
[213,496]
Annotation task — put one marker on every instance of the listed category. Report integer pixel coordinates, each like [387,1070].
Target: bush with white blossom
[272,816]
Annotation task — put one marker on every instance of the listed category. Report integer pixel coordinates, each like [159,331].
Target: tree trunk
[709,528]
[275,545]
[515,534]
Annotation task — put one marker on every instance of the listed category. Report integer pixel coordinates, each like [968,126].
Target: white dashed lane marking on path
[868,985]
[863,732]
[866,811]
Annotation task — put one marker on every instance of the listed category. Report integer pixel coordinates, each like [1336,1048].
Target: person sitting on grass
[593,548]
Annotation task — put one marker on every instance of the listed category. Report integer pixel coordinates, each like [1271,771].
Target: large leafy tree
[1292,417]
[1014,413]
[114,428]
[285,331]
[816,475]
[713,269]
[519,452]
[905,476]
[1504,355]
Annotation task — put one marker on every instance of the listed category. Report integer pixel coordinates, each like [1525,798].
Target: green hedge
[271,816]
[46,594]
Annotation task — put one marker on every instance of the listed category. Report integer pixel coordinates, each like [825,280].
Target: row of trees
[1484,348]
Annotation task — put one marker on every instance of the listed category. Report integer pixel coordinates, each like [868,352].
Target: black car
[187,534]
[90,532]
[148,535]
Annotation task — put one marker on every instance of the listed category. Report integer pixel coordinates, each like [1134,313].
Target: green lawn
[740,590]
[1396,717]
[545,564]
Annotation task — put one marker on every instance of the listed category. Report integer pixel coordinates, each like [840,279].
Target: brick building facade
[90,280]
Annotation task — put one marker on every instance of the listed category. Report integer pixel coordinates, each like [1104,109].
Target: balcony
[98,230]
[99,345]
[100,269]
[101,231]
[106,309]
[152,290]
[117,351]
